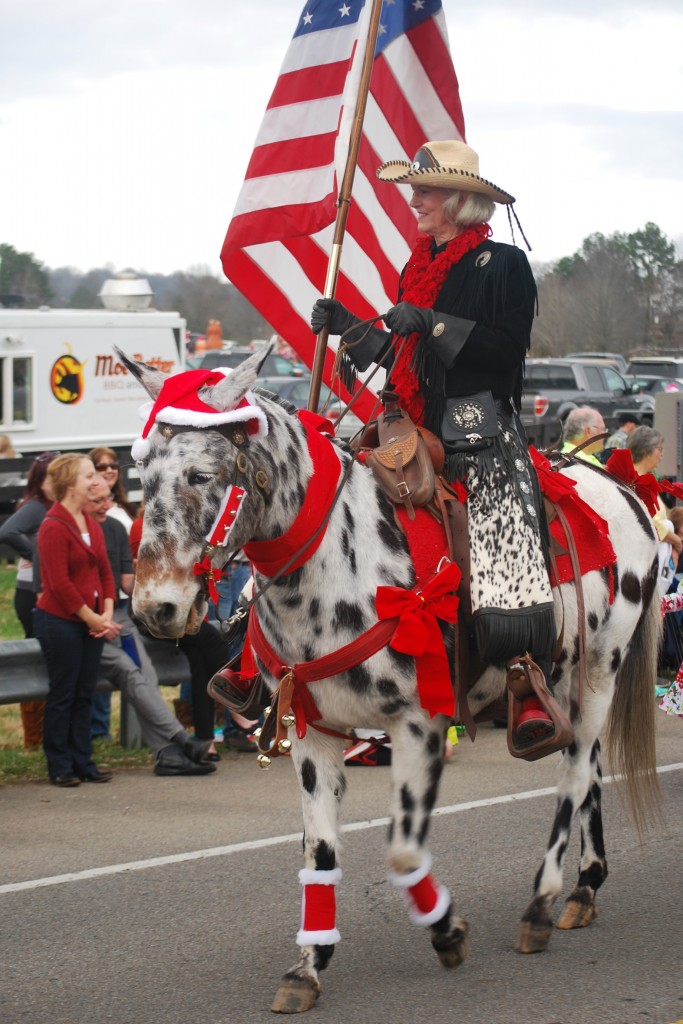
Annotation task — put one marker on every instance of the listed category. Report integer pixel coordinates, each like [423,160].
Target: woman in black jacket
[459,337]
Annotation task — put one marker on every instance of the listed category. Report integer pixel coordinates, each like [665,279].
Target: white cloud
[126,129]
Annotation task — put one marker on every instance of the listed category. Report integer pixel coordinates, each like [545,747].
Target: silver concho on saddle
[470,424]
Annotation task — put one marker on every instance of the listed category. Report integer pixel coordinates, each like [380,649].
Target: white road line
[292,837]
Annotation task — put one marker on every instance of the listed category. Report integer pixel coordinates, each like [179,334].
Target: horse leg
[319,767]
[416,766]
[580,910]
[577,782]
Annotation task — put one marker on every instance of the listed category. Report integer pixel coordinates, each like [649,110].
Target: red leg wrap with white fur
[318,908]
[428,900]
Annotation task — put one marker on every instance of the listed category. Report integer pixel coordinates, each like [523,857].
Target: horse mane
[289,407]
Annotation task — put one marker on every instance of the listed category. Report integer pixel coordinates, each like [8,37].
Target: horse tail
[630,736]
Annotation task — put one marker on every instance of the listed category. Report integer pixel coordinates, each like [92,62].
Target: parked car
[275,364]
[619,362]
[657,366]
[646,389]
[553,387]
[295,390]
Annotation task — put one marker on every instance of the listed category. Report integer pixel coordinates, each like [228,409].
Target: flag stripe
[292,155]
[309,84]
[431,47]
[386,91]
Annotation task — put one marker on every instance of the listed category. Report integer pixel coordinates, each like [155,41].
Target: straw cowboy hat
[451,164]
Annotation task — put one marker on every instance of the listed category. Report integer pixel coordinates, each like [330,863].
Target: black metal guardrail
[23,676]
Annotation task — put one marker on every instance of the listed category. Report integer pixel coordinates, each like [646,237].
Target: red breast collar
[269,557]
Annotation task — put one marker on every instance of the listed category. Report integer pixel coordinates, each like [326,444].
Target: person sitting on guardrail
[128,667]
[580,426]
[107,465]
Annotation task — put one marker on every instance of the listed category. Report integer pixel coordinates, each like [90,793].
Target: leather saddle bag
[402,462]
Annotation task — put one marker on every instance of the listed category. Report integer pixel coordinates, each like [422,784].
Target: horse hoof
[452,949]
[533,937]
[577,915]
[295,995]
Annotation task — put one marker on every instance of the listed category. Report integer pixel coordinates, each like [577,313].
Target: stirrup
[525,679]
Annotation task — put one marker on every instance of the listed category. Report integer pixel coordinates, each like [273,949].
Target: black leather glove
[404,319]
[330,311]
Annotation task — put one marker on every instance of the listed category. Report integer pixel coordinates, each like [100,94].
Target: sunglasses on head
[101,466]
[47,456]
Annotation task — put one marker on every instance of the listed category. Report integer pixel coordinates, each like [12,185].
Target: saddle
[399,462]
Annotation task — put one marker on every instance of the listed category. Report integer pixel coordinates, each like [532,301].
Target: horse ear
[232,390]
[151,379]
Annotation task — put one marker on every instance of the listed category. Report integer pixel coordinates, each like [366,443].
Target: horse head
[205,472]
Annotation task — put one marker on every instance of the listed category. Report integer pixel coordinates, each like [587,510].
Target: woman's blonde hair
[477,208]
[62,473]
[6,447]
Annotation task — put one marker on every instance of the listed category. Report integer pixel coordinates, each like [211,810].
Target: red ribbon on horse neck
[620,465]
[418,634]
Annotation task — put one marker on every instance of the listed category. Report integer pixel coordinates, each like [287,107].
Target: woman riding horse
[460,334]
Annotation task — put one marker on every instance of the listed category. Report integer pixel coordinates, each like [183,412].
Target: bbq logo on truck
[66,379]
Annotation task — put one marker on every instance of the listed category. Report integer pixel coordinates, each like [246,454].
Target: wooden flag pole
[344,201]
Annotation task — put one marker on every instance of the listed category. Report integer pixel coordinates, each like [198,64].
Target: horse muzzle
[169,619]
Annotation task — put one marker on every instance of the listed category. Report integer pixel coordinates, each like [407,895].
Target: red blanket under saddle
[426,541]
[590,531]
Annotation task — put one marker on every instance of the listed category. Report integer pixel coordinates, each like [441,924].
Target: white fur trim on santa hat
[193,418]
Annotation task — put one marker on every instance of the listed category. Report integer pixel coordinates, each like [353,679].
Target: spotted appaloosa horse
[330,600]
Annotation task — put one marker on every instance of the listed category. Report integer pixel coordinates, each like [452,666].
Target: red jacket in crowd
[73,573]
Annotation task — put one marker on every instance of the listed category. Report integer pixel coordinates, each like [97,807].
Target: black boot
[171,760]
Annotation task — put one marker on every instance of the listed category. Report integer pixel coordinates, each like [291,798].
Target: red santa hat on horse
[180,403]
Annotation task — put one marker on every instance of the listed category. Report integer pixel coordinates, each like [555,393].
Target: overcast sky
[126,128]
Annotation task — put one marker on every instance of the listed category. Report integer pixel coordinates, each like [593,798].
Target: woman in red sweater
[72,615]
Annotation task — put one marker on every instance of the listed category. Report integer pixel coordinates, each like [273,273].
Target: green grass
[10,627]
[19,765]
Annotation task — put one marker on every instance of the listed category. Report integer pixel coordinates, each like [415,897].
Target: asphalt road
[176,901]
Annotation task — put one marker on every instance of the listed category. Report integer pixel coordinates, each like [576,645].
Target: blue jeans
[229,587]
[100,718]
[73,658]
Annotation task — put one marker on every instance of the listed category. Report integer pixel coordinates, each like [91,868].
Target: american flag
[278,241]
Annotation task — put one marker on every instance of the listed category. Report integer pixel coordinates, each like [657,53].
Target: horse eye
[195,477]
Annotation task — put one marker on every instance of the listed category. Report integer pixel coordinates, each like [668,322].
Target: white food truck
[62,386]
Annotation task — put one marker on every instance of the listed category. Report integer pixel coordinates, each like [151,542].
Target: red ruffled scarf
[423,279]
